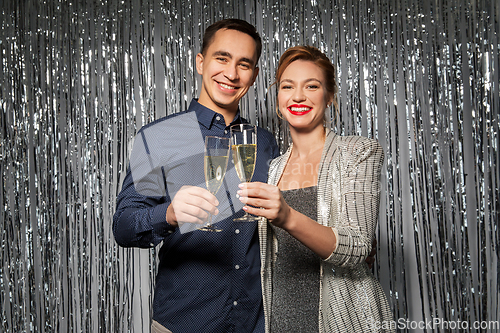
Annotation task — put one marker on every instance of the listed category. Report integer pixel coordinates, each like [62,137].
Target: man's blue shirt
[206,281]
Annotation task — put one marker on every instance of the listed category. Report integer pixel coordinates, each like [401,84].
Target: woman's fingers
[259,190]
[261,199]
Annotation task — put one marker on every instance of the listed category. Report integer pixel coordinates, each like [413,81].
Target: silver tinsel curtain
[79,78]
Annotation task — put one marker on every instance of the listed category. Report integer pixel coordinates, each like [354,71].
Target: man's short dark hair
[232,24]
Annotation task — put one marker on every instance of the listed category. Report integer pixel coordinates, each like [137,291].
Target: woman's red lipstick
[299,109]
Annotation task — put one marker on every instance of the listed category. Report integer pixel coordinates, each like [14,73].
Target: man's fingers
[193,205]
[186,218]
[190,192]
[186,213]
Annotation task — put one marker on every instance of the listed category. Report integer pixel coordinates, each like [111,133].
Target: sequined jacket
[351,299]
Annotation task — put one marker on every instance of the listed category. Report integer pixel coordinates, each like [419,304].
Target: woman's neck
[307,143]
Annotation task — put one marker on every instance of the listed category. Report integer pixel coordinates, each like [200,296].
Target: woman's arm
[358,179]
[351,241]
[318,238]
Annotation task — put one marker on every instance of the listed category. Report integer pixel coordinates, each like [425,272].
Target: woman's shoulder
[356,142]
[359,147]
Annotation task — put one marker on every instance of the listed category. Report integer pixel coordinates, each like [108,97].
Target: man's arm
[139,220]
[145,220]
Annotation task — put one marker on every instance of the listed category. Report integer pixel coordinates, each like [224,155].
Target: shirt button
[235,303]
[237,266]
[225,132]
[218,118]
[237,231]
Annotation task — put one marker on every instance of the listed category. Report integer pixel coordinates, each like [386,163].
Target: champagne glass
[244,147]
[215,165]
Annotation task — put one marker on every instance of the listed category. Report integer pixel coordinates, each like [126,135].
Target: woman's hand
[318,238]
[266,200]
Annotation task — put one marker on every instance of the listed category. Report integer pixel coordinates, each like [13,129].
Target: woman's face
[302,96]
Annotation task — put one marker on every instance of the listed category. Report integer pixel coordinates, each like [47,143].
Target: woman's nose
[298,95]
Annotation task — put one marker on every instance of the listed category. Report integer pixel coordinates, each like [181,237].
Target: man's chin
[228,105]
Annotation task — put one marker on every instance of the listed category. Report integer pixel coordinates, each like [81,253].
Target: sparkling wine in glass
[244,148]
[215,164]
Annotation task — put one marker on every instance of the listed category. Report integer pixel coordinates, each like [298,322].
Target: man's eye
[245,66]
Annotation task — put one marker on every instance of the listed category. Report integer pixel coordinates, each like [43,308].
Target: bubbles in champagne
[244,160]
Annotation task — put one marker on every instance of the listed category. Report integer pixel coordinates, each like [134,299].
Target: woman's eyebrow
[306,81]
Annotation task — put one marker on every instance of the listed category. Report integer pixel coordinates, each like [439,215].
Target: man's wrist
[169,217]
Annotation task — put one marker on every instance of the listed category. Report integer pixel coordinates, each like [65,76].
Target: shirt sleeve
[141,206]
[359,201]
[140,220]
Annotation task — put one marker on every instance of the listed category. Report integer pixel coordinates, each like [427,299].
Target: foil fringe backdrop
[79,78]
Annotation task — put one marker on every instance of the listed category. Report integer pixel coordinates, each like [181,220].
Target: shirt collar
[206,116]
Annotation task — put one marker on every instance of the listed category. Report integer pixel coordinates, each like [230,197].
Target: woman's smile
[299,109]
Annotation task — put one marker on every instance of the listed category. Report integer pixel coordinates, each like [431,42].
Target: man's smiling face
[228,70]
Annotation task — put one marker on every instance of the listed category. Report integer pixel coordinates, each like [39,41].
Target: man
[207,281]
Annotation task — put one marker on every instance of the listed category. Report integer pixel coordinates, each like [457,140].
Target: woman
[322,201]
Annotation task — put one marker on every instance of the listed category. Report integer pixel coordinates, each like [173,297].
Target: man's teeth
[226,86]
[299,109]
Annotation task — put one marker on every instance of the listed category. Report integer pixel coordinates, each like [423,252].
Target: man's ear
[199,63]
[255,74]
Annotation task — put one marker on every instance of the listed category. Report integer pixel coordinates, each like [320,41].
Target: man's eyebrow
[223,53]
[230,56]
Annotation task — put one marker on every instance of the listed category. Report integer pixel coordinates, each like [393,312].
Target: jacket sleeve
[359,162]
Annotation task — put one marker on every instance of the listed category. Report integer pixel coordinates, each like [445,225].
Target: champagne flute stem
[209,224]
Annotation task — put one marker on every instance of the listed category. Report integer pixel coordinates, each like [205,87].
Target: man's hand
[191,204]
